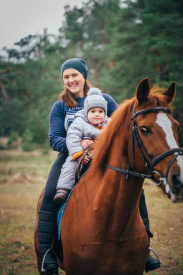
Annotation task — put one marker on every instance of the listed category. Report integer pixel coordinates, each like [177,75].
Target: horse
[102,231]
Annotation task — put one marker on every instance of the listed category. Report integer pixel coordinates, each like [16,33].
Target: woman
[74,72]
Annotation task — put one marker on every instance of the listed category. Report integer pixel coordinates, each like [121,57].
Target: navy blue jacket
[62,116]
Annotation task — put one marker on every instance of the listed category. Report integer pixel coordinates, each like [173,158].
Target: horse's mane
[105,140]
[123,113]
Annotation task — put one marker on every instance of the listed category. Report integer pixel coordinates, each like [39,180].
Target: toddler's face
[96,116]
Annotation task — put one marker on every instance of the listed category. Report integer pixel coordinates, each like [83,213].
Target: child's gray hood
[83,116]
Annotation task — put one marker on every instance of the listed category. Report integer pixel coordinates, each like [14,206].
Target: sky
[19,18]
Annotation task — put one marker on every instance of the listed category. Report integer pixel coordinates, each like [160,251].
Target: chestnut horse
[102,231]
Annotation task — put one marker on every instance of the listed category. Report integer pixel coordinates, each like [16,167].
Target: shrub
[27,141]
[12,138]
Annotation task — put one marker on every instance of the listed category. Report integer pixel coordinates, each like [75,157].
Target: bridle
[144,155]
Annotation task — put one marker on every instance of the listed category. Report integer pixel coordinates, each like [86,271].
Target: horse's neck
[115,197]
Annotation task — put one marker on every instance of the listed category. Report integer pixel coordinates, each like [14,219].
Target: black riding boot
[151,263]
[47,227]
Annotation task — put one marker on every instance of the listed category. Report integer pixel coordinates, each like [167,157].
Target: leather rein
[136,137]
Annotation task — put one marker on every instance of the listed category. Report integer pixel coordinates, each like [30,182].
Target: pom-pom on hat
[77,64]
[94,99]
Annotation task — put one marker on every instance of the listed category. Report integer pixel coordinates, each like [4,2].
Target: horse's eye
[144,130]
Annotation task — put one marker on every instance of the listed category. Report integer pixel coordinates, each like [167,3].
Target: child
[88,123]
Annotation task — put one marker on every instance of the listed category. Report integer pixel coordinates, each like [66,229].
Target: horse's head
[156,134]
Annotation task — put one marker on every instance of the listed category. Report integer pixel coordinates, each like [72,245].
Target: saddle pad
[60,214]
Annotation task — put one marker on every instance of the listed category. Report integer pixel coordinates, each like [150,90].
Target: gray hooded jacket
[79,129]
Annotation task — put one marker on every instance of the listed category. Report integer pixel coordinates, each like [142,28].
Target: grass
[18,208]
[167,227]
[23,175]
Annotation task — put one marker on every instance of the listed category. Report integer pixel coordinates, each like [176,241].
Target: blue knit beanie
[77,64]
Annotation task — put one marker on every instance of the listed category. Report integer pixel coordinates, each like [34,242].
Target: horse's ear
[143,90]
[170,92]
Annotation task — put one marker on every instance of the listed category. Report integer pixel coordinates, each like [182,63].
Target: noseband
[144,155]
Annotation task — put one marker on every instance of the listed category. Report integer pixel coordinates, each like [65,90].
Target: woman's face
[74,81]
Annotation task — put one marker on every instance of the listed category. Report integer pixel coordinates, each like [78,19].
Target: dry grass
[167,226]
[23,176]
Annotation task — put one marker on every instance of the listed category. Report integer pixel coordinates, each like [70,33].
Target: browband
[151,110]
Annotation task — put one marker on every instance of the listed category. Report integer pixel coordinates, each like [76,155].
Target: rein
[86,151]
[136,137]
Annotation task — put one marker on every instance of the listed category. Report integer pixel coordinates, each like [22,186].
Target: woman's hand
[85,142]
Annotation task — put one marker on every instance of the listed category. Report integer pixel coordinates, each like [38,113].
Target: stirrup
[49,250]
[42,266]
[150,248]
[152,267]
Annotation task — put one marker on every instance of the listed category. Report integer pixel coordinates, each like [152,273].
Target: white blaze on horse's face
[164,122]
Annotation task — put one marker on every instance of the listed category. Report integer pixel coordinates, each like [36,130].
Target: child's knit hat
[95,99]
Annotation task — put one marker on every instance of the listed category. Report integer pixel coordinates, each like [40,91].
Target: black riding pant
[143,207]
[48,204]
